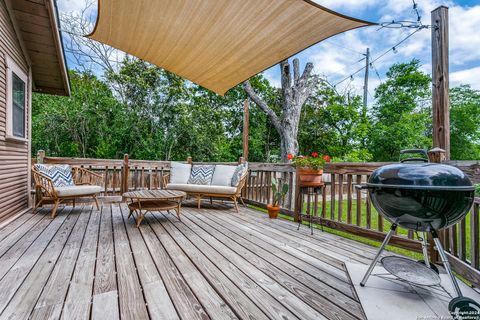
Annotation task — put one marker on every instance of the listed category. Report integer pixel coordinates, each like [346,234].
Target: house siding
[14,155]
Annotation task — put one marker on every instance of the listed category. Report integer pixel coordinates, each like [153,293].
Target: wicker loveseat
[208,181]
[57,183]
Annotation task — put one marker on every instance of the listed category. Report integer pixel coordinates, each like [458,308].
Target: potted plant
[309,168]
[274,208]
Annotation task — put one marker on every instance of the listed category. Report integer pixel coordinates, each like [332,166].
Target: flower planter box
[309,177]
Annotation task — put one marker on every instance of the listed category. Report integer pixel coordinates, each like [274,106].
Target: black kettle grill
[423,197]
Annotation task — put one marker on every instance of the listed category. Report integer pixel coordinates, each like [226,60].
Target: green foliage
[278,194]
[477,190]
[84,124]
[334,124]
[464,123]
[150,113]
[402,113]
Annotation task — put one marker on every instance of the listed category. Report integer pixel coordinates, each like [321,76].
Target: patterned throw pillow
[201,174]
[239,172]
[61,175]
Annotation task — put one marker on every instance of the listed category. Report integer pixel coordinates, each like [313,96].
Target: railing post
[435,155]
[189,160]
[125,172]
[297,198]
[40,156]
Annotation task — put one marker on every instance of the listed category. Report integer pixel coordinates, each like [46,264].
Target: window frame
[12,67]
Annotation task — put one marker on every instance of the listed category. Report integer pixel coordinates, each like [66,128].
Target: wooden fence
[340,206]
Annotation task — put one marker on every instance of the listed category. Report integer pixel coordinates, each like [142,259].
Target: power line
[394,48]
[376,71]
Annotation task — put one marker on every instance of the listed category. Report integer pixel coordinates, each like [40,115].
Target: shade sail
[216,43]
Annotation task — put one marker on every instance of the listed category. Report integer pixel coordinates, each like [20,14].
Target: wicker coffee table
[145,201]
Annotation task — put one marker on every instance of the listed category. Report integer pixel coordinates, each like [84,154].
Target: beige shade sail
[216,43]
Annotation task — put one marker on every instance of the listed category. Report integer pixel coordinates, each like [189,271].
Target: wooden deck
[214,264]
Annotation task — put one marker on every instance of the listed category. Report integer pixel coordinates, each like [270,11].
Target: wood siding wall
[14,155]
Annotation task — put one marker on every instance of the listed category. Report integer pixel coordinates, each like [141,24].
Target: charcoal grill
[422,197]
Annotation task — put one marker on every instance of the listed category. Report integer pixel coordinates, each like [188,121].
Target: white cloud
[468,76]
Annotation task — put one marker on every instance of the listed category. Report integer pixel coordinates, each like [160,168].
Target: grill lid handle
[423,152]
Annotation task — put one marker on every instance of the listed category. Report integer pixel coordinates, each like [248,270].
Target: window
[16,101]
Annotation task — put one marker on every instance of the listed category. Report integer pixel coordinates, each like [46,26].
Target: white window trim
[13,67]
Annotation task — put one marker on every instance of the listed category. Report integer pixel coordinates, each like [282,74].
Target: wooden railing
[340,206]
[343,207]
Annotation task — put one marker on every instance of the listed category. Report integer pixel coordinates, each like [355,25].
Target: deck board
[309,289]
[213,264]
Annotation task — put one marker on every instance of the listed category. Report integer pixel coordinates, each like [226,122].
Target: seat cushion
[197,188]
[61,175]
[222,176]
[180,172]
[201,174]
[71,191]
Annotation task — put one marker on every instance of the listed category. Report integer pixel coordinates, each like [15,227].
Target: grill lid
[430,176]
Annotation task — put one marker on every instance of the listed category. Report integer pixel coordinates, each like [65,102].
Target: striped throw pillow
[239,172]
[61,175]
[201,174]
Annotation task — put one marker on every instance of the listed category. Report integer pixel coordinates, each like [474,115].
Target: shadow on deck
[215,264]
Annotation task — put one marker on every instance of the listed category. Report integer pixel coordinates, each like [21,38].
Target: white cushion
[196,188]
[222,176]
[82,190]
[179,172]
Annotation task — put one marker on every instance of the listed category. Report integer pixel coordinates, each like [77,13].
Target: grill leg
[425,249]
[375,260]
[446,264]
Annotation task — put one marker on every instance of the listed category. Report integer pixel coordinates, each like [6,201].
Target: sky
[338,57]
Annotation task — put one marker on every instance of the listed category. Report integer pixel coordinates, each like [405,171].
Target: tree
[401,113]
[334,124]
[464,120]
[294,93]
[85,124]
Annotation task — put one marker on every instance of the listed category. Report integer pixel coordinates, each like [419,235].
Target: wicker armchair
[87,184]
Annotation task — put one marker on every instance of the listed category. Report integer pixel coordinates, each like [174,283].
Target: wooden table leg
[140,217]
[178,210]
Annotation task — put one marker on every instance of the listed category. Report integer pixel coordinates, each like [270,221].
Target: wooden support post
[436,155]
[189,160]
[40,156]
[245,129]
[440,101]
[125,172]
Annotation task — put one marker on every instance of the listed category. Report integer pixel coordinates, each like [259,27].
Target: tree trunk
[294,93]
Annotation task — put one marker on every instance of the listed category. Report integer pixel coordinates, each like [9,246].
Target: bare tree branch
[286,77]
[262,105]
[296,71]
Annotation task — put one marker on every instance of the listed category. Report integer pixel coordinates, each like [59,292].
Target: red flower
[326,158]
[289,156]
[314,154]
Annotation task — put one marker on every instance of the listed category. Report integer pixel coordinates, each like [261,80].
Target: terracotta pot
[310,177]
[273,211]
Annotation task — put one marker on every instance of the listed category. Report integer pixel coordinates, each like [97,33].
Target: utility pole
[245,129]
[440,101]
[365,84]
